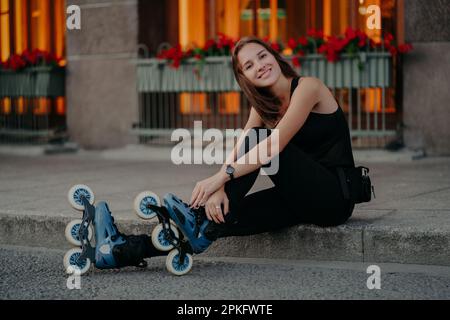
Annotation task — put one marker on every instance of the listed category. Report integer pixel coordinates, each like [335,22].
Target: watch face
[230,170]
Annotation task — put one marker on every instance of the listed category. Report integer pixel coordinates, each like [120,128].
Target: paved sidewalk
[408,222]
[37,273]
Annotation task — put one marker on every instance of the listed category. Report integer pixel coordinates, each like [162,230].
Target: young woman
[312,141]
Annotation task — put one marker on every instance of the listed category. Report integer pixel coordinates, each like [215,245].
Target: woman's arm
[203,189]
[304,98]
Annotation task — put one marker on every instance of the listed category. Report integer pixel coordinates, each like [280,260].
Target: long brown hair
[265,103]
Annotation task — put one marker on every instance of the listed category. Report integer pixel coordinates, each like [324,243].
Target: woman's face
[258,65]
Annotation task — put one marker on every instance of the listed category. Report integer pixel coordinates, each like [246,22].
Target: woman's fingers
[208,213]
[194,195]
[212,212]
[220,214]
[204,199]
[197,200]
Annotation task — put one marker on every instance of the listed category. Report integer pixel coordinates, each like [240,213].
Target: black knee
[253,136]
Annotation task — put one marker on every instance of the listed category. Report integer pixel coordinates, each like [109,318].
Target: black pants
[304,192]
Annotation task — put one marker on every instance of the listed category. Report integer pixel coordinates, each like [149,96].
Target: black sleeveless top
[325,137]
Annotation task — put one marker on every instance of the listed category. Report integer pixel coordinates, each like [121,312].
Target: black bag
[356,184]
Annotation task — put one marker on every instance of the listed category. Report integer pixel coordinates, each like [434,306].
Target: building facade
[104,102]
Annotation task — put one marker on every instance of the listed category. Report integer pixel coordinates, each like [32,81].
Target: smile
[265,73]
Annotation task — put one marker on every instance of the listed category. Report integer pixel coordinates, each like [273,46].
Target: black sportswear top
[325,137]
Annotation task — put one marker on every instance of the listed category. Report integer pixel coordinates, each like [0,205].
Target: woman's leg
[261,211]
[239,187]
[312,191]
[304,192]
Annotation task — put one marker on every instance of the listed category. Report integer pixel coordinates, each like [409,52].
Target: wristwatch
[230,171]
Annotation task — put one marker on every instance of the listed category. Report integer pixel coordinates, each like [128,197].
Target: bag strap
[343,180]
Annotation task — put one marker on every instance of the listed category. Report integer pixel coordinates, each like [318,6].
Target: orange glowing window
[5,42]
[28,25]
[32,24]
[204,19]
[196,18]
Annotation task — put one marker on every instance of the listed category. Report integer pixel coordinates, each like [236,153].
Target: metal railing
[32,105]
[174,98]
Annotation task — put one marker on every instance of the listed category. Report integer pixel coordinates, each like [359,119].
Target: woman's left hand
[203,189]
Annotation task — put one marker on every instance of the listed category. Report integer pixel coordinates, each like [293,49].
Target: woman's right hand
[213,206]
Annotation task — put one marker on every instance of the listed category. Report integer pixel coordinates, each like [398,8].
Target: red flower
[176,63]
[361,43]
[387,44]
[405,48]
[336,44]
[311,32]
[296,61]
[175,54]
[350,33]
[30,57]
[225,41]
[388,37]
[332,56]
[319,34]
[323,48]
[15,62]
[314,33]
[362,39]
[303,41]
[292,43]
[209,44]
[275,46]
[374,44]
[393,50]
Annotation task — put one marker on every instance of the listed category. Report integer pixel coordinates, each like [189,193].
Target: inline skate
[111,249]
[181,230]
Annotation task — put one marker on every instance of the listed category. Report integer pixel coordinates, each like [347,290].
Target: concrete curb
[354,242]
[134,152]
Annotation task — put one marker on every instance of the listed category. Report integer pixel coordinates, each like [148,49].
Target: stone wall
[101,81]
[426,74]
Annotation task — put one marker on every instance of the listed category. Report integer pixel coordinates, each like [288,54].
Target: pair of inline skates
[181,231]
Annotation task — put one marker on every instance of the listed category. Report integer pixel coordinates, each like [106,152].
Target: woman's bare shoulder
[326,102]
[308,86]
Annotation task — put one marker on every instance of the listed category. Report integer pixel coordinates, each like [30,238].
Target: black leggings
[304,192]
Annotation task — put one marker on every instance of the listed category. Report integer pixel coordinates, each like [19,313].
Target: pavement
[37,273]
[407,224]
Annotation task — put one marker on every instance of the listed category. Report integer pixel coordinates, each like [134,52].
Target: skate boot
[181,230]
[192,222]
[112,249]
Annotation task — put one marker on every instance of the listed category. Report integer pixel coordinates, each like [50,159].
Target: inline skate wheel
[141,202]
[174,266]
[71,232]
[159,239]
[70,263]
[76,193]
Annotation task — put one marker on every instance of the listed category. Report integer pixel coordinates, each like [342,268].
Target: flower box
[363,70]
[216,74]
[33,82]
